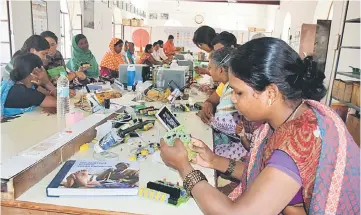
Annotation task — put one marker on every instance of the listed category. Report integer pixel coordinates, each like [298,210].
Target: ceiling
[268,2]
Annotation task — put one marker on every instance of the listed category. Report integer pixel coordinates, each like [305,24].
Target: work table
[35,199]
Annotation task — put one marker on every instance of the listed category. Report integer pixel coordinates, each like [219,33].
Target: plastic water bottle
[131,77]
[160,78]
[174,63]
[140,91]
[63,101]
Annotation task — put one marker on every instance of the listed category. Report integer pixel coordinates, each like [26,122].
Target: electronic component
[143,152]
[145,110]
[198,105]
[139,125]
[153,194]
[167,119]
[180,133]
[184,108]
[165,192]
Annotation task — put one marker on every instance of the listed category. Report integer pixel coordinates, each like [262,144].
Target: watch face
[199,19]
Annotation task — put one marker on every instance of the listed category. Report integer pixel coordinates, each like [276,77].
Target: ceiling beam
[267,2]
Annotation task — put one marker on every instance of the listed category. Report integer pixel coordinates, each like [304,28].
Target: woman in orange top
[168,47]
[147,57]
[112,59]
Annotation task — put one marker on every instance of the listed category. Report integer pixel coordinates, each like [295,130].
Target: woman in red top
[147,57]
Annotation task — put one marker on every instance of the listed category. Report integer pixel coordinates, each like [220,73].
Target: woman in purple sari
[304,160]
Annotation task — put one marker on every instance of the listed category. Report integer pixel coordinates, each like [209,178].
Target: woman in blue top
[21,94]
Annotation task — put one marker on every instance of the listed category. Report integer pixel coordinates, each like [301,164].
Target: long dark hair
[49,34]
[267,60]
[226,39]
[36,42]
[147,48]
[24,64]
[204,34]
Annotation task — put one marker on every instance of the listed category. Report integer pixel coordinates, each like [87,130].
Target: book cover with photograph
[95,178]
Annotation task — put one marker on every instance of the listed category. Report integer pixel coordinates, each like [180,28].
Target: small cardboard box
[134,22]
[335,87]
[353,126]
[355,98]
[126,22]
[347,94]
[342,89]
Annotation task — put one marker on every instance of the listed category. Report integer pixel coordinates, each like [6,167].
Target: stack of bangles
[195,176]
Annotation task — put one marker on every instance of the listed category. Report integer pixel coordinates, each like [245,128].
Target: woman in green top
[83,57]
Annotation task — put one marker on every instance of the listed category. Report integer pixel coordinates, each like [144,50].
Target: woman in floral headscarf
[112,59]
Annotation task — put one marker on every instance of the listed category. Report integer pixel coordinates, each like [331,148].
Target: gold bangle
[191,179]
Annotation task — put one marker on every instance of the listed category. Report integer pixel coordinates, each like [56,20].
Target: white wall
[300,11]
[100,36]
[218,15]
[20,15]
[322,9]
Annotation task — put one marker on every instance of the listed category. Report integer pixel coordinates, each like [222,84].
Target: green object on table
[138,107]
[179,132]
[55,72]
[355,70]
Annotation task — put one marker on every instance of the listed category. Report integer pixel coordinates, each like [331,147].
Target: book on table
[95,178]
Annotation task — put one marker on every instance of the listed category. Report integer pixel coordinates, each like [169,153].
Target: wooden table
[35,201]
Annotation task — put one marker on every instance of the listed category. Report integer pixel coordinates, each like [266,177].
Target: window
[117,29]
[5,41]
[67,32]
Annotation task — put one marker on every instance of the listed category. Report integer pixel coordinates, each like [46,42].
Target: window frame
[114,25]
[66,55]
[8,20]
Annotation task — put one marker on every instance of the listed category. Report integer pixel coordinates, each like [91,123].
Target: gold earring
[269,102]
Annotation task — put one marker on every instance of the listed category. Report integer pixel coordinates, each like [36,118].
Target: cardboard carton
[353,126]
[355,98]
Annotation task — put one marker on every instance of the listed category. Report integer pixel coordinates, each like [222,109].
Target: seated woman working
[304,161]
[147,57]
[109,65]
[157,55]
[226,119]
[20,94]
[34,44]
[130,53]
[203,38]
[55,60]
[169,48]
[124,52]
[224,39]
[82,58]
[228,141]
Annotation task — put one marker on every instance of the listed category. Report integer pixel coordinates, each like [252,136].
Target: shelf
[350,47]
[357,20]
[350,105]
[349,74]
